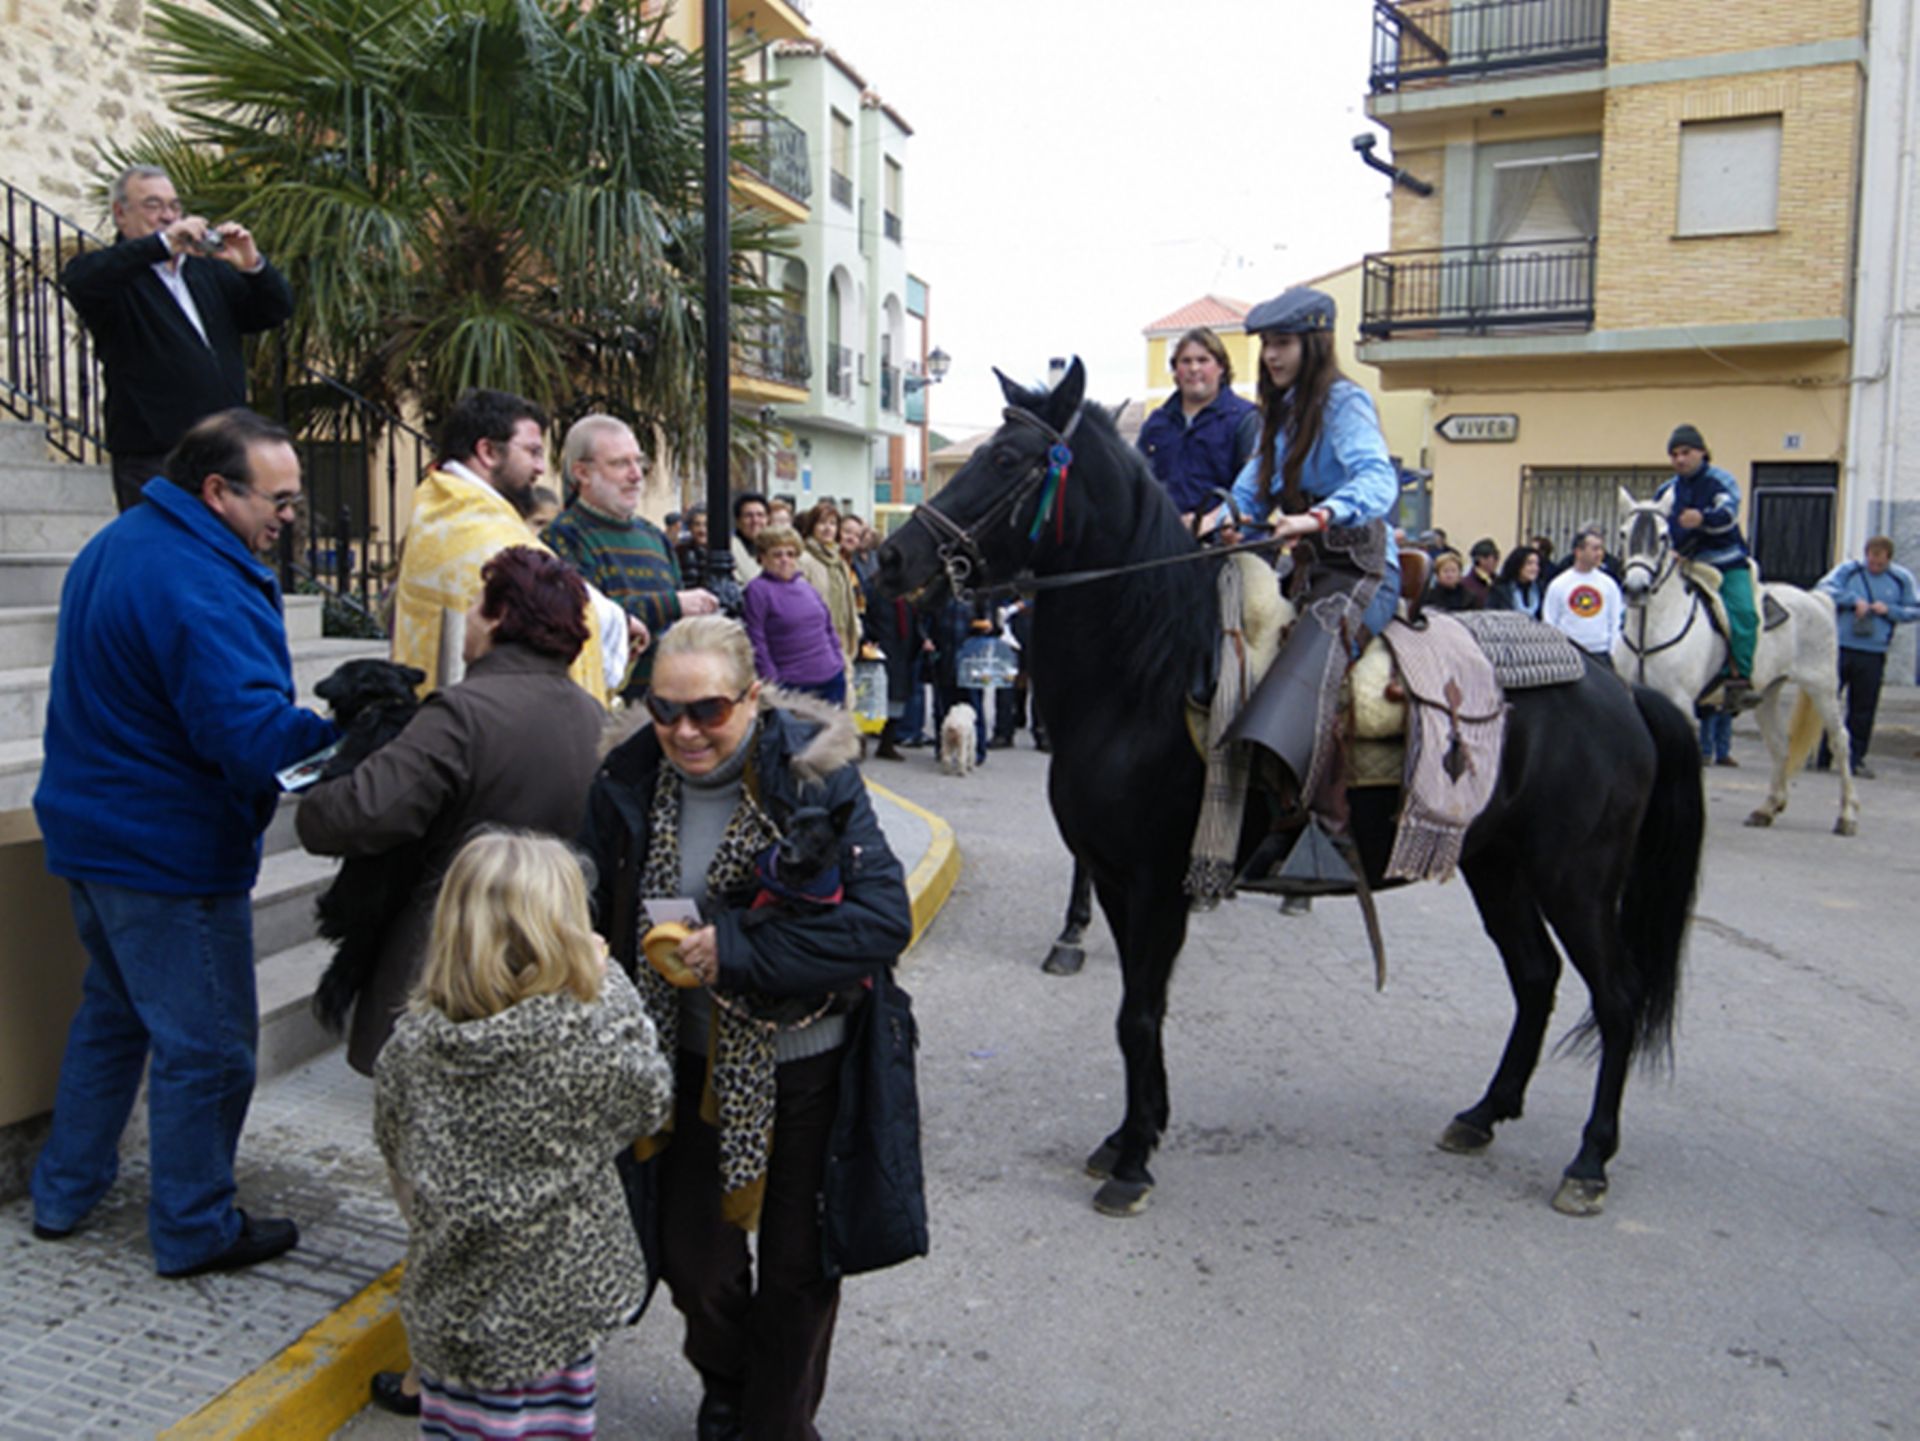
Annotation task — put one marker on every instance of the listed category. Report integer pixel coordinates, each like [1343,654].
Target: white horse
[1669,643]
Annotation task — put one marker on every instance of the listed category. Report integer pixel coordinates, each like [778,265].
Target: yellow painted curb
[319,1383]
[315,1386]
[932,881]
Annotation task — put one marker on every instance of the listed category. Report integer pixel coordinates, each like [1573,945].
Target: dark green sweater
[631,563]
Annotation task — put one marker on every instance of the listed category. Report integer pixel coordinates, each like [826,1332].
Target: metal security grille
[1791,519]
[1561,501]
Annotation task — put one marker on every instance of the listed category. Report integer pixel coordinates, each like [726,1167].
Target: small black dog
[372,700]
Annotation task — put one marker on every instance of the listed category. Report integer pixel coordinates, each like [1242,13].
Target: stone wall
[72,73]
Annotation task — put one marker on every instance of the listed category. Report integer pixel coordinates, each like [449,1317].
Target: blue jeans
[1716,734]
[172,975]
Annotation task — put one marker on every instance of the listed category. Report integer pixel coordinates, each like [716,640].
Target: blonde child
[522,1066]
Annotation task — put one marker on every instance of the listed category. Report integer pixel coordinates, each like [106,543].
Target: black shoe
[1000,743]
[720,1418]
[389,1395]
[51,1233]
[1726,761]
[258,1241]
[888,751]
[1861,772]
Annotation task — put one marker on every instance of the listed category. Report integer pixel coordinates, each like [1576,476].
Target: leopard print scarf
[739,1093]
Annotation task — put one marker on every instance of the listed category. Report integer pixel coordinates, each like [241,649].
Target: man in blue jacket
[1870,596]
[1197,441]
[172,708]
[1703,522]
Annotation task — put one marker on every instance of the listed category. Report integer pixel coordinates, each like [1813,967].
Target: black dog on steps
[372,700]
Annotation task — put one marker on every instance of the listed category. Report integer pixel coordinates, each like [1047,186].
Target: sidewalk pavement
[98,1345]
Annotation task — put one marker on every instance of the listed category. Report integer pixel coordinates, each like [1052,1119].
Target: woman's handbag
[873,1204]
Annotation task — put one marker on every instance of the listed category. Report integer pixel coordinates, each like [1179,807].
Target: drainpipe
[1363,146]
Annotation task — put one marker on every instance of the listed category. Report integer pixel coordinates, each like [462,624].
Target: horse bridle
[956,544]
[1658,574]
[959,552]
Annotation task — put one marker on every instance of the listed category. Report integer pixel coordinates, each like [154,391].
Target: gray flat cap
[1292,312]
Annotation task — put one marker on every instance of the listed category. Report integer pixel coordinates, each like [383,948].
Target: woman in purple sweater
[794,642]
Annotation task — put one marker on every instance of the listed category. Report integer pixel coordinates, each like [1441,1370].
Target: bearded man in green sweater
[602,534]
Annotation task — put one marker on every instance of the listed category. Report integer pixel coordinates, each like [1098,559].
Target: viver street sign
[1472,429]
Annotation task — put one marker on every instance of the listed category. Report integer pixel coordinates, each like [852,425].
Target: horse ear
[1068,394]
[1627,502]
[1664,504]
[1016,394]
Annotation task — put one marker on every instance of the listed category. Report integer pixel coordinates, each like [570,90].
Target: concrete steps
[24,689]
[33,577]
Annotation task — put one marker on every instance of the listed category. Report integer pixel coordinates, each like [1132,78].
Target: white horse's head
[1643,544]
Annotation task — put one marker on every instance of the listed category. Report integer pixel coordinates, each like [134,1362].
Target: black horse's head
[978,532]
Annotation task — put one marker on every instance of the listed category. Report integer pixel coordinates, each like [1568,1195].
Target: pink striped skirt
[559,1404]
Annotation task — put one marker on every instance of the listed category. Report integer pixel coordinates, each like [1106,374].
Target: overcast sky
[1079,168]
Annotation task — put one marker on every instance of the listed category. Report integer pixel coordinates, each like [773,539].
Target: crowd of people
[599,749]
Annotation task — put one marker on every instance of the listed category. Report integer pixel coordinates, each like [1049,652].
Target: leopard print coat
[501,1134]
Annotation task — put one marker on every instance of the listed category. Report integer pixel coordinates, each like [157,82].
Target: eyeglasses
[154,205]
[709,713]
[294,504]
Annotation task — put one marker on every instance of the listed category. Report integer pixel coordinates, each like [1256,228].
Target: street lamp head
[939,363]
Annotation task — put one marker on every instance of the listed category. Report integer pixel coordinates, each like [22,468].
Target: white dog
[957,741]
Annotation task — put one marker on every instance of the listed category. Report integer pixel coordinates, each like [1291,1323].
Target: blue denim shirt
[1349,471]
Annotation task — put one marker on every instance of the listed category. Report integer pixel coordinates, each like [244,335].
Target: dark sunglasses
[708,713]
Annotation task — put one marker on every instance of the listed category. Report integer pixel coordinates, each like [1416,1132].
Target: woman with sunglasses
[688,809]
[795,643]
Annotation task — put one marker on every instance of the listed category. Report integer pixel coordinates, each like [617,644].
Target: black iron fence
[775,348]
[1477,289]
[839,370]
[842,188]
[772,149]
[889,386]
[50,375]
[358,458]
[1434,40]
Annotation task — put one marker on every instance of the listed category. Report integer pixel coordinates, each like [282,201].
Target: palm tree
[463,192]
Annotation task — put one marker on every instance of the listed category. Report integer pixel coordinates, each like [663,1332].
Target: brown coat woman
[514,744]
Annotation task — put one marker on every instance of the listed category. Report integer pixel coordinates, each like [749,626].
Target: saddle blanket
[1525,653]
[1454,740]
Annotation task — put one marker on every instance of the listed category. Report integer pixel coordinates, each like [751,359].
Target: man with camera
[167,306]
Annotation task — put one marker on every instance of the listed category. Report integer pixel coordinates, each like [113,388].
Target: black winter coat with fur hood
[804,756]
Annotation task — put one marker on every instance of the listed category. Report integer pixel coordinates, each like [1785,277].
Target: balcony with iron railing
[1543,285]
[840,371]
[889,386]
[1417,41]
[775,349]
[773,150]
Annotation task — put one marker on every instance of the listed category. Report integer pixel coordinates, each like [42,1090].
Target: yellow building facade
[1640,212]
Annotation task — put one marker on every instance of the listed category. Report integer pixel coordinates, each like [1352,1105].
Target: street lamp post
[938,364]
[719,263]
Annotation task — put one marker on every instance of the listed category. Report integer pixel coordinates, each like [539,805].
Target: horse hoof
[1845,827]
[1122,1198]
[1463,1139]
[1760,818]
[1580,1198]
[1101,1163]
[1064,960]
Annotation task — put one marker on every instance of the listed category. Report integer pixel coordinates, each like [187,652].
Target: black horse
[1594,829]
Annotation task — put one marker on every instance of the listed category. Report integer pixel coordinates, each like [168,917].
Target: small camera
[212,243]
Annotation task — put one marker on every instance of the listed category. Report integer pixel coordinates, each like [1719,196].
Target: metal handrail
[52,375]
[1534,285]
[1440,40]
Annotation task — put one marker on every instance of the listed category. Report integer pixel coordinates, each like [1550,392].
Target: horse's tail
[1665,869]
[1803,732]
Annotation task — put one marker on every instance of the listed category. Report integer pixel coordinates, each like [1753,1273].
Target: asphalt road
[1310,1264]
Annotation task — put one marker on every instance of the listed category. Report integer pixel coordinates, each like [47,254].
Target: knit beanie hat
[1685,435]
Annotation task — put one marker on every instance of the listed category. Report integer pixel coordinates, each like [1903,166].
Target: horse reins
[959,551]
[1660,574]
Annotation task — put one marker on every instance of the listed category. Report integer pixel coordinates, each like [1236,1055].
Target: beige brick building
[1642,212]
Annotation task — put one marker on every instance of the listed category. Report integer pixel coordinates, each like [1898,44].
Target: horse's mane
[1153,627]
